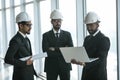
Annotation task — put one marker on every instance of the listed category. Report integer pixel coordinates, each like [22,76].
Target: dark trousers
[64,75]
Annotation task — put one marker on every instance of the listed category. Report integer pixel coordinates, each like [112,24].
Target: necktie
[57,35]
[27,41]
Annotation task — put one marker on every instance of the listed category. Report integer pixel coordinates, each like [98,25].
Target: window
[45,10]
[28,0]
[0,34]
[8,24]
[17,2]
[0,30]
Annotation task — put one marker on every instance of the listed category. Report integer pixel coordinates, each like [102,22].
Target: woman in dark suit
[20,47]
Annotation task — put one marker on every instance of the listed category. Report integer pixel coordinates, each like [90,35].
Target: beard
[28,32]
[57,27]
[91,32]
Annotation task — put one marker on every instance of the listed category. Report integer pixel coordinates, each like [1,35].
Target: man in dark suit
[20,47]
[55,64]
[97,46]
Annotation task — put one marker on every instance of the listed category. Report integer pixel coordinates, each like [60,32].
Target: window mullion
[12,17]
[118,38]
[54,4]
[22,5]
[4,27]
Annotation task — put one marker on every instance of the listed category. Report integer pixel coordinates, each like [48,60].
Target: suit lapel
[61,33]
[24,41]
[52,35]
[27,43]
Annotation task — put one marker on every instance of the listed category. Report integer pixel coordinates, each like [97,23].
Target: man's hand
[29,61]
[73,61]
[77,62]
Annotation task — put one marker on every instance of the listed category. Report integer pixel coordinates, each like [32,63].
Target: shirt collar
[56,31]
[96,32]
[22,34]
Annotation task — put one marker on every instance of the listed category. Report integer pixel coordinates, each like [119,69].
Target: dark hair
[23,22]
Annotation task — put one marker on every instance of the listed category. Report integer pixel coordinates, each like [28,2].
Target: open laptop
[78,53]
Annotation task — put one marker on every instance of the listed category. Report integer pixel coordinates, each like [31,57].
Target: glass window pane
[28,0]
[7,3]
[108,21]
[8,25]
[45,10]
[0,34]
[17,2]
[69,14]
[17,11]
[69,24]
[0,4]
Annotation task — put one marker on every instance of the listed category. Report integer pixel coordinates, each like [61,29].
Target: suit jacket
[96,47]
[55,58]
[18,49]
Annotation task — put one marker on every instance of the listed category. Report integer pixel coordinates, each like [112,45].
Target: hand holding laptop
[73,61]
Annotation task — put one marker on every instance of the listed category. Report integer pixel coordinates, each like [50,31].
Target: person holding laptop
[97,46]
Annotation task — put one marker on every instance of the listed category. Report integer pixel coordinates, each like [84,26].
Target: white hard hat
[56,14]
[91,17]
[23,16]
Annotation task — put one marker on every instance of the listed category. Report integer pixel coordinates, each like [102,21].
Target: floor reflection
[5,71]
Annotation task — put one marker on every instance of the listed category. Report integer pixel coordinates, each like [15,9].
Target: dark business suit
[18,49]
[55,63]
[97,47]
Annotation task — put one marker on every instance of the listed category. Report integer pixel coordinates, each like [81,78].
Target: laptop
[77,53]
